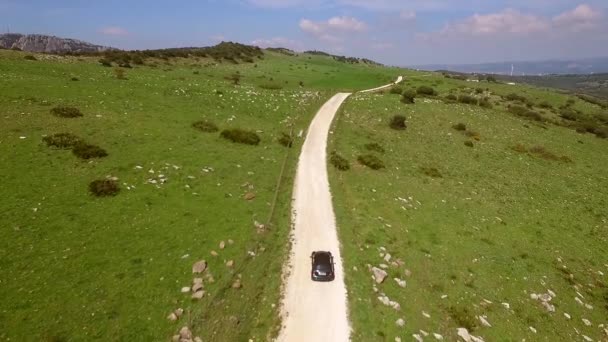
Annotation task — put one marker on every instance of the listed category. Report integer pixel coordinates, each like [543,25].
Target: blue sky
[397,32]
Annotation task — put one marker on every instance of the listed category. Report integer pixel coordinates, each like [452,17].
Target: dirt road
[315,311]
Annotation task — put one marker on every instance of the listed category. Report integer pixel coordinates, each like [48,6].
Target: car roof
[322,257]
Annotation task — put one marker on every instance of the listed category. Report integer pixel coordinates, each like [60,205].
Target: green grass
[76,267]
[498,225]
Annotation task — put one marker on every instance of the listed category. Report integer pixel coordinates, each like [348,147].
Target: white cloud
[508,21]
[113,31]
[583,17]
[333,30]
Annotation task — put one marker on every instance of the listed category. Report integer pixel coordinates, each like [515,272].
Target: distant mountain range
[49,44]
[556,67]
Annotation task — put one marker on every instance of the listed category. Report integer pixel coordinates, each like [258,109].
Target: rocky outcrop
[48,44]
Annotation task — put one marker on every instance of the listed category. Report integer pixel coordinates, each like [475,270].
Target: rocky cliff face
[49,44]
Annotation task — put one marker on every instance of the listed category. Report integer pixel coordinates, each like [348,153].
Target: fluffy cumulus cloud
[333,30]
[113,31]
[581,18]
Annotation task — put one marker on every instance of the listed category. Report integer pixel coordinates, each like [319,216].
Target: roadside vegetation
[485,217]
[119,179]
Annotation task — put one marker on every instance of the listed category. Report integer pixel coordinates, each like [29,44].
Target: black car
[322,266]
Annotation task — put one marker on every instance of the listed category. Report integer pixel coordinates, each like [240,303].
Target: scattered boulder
[438,337]
[484,321]
[199,266]
[384,300]
[400,282]
[185,289]
[172,317]
[197,287]
[400,322]
[464,334]
[237,284]
[379,275]
[586,322]
[198,294]
[214,253]
[417,337]
[249,196]
[178,312]
[222,245]
[185,333]
[387,257]
[407,273]
[230,263]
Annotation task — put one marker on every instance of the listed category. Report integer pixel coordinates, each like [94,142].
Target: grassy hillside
[76,267]
[485,210]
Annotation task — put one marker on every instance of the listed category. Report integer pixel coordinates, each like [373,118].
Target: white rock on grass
[400,322]
[438,337]
[425,314]
[532,329]
[379,275]
[417,337]
[199,266]
[484,321]
[567,315]
[185,289]
[400,282]
[464,334]
[587,338]
[587,322]
[387,257]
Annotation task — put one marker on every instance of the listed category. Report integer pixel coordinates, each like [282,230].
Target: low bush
[468,143]
[473,135]
[205,126]
[286,140]
[374,147]
[478,90]
[83,150]
[602,117]
[66,112]
[120,73]
[460,127]
[104,62]
[398,123]
[371,161]
[408,96]
[426,91]
[485,103]
[593,100]
[451,98]
[516,97]
[30,58]
[545,105]
[75,79]
[541,152]
[396,90]
[467,99]
[339,162]
[62,140]
[570,102]
[431,172]
[104,188]
[568,114]
[241,136]
[525,113]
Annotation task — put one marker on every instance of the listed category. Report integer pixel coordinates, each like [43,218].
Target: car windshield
[322,262]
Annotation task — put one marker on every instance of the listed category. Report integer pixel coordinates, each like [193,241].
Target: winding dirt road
[314,311]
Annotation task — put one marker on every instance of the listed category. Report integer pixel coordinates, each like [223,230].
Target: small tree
[408,96]
[398,122]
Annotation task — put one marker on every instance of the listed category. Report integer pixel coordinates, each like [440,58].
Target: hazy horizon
[388,31]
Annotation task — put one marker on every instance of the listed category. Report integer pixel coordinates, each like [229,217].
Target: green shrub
[426,91]
[408,96]
[339,162]
[83,150]
[371,161]
[467,99]
[478,90]
[120,73]
[593,100]
[568,114]
[30,58]
[104,62]
[516,97]
[398,122]
[451,98]
[66,112]
[431,172]
[525,113]
[205,126]
[241,136]
[460,127]
[286,140]
[374,147]
[104,188]
[468,143]
[545,105]
[491,79]
[570,102]
[396,90]
[62,140]
[485,103]
[75,79]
